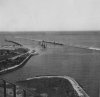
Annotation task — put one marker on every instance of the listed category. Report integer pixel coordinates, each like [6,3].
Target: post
[24,93]
[4,83]
[14,90]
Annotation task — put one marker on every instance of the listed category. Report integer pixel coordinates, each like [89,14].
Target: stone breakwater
[53,86]
[11,59]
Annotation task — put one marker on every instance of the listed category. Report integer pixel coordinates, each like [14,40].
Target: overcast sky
[37,15]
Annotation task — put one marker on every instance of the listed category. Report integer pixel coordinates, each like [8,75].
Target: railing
[8,89]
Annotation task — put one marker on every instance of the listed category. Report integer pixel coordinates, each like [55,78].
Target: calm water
[81,64]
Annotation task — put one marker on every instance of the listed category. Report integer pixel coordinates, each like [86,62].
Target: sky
[49,15]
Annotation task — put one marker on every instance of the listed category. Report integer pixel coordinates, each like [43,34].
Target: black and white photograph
[49,48]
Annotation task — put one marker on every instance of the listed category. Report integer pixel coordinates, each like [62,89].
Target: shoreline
[13,68]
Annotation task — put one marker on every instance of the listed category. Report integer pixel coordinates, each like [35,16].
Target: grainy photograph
[49,48]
